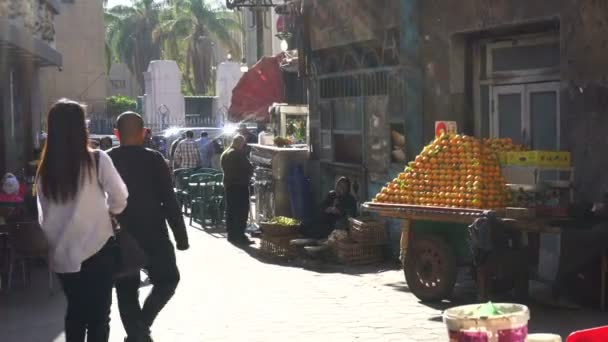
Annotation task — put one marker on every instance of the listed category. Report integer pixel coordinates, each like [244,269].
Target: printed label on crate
[539,158]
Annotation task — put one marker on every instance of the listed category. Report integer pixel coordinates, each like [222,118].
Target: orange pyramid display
[453,171]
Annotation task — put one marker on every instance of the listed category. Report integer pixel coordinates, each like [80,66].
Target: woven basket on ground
[353,253]
[273,229]
[368,231]
[278,246]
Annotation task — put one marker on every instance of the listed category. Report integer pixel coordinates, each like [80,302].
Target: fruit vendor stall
[457,181]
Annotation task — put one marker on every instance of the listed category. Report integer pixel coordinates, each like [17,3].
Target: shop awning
[19,44]
[257,90]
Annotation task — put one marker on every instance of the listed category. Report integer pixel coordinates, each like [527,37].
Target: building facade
[532,70]
[80,37]
[27,46]
[382,72]
[269,45]
[363,89]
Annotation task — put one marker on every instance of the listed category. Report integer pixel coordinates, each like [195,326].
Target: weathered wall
[585,92]
[444,24]
[80,38]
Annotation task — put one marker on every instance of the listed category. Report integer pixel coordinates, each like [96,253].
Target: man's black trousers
[164,277]
[237,211]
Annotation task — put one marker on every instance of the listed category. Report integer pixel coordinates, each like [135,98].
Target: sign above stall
[343,22]
[445,127]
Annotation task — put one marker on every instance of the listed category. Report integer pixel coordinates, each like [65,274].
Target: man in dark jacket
[151,204]
[237,174]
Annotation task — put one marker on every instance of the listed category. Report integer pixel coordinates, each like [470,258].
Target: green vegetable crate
[280,226]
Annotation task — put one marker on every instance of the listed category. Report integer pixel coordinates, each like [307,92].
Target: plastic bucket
[464,326]
[544,338]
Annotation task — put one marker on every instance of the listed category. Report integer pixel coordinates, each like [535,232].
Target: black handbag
[129,256]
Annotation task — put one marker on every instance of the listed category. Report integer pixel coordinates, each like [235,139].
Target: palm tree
[188,32]
[129,35]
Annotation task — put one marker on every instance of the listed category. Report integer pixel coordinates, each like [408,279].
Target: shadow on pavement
[317,265]
[216,231]
[33,312]
[400,286]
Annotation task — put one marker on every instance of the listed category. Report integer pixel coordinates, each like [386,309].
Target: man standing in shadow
[237,175]
[151,204]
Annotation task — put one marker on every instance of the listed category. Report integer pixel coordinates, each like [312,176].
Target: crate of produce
[280,226]
[368,231]
[559,159]
[353,253]
[553,158]
[503,158]
[278,246]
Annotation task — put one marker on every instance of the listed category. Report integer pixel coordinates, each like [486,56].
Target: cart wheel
[430,268]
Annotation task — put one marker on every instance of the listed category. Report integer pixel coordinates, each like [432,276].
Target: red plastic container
[590,335]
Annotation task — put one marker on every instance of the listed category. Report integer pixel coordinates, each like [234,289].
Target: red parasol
[257,90]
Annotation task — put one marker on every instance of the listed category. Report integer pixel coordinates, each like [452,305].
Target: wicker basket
[353,253]
[368,231]
[273,229]
[278,246]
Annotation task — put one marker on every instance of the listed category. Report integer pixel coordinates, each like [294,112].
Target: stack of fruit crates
[366,244]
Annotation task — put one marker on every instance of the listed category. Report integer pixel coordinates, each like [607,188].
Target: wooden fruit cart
[434,242]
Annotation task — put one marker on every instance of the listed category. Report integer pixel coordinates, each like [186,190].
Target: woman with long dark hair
[78,188]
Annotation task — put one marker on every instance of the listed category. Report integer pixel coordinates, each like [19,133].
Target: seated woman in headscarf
[339,205]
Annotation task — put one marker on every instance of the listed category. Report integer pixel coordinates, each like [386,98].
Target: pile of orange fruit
[498,145]
[454,171]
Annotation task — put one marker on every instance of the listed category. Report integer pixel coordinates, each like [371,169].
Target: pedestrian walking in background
[187,155]
[216,152]
[174,145]
[148,143]
[75,217]
[152,203]
[237,174]
[105,143]
[206,153]
[248,136]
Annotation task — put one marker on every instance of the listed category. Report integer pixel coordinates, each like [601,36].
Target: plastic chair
[590,335]
[178,185]
[181,180]
[209,171]
[27,242]
[218,197]
[200,193]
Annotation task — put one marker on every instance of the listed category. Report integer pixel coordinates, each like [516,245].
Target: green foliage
[181,30]
[129,32]
[117,105]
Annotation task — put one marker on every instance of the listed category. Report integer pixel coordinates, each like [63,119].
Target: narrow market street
[227,294]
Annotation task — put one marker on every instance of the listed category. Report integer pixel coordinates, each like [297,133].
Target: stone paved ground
[228,294]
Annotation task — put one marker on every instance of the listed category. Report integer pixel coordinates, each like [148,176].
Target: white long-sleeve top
[79,228]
